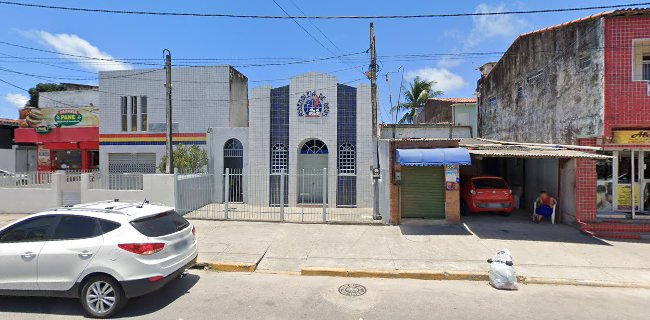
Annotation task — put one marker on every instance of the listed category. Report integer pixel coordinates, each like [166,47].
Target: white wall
[217,138]
[65,99]
[157,188]
[414,131]
[31,200]
[322,128]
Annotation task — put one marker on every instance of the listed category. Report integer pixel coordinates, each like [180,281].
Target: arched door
[312,159]
[233,159]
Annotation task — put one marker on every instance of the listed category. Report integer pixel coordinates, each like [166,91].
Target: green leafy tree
[416,98]
[42,87]
[190,159]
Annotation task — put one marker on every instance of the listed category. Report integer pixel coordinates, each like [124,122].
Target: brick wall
[627,104]
[586,185]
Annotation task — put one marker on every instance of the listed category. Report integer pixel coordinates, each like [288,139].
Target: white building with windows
[315,130]
[132,130]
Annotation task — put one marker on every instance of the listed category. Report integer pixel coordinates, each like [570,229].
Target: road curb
[396,274]
[415,274]
[586,283]
[229,266]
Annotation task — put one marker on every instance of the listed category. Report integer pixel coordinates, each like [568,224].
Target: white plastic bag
[502,272]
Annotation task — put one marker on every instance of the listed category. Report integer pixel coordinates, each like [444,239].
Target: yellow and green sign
[631,137]
[67,118]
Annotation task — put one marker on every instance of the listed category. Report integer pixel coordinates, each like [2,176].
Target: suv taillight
[145,249]
[193,230]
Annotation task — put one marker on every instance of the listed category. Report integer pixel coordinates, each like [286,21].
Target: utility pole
[168,85]
[376,172]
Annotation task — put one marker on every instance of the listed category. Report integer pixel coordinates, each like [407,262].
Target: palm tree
[416,97]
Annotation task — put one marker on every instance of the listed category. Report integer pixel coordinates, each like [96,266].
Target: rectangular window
[143,113]
[585,61]
[641,60]
[124,109]
[134,113]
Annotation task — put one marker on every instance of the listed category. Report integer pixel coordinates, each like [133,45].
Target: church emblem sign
[313,105]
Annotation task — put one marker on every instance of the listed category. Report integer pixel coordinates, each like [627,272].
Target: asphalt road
[211,295]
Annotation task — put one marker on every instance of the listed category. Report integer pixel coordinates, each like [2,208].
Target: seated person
[545,205]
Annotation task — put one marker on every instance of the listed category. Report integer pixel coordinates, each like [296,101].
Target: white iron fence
[116,181]
[308,196]
[26,180]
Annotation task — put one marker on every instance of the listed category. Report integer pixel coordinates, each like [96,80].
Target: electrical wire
[303,28]
[244,16]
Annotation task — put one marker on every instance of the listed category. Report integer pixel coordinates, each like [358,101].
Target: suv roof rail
[89,209]
[83,205]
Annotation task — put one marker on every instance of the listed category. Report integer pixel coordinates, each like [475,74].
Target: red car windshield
[489,183]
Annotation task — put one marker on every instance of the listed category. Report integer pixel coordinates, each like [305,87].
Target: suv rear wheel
[102,297]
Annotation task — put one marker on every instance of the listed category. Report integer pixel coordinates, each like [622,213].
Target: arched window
[347,159]
[314,147]
[233,148]
[278,158]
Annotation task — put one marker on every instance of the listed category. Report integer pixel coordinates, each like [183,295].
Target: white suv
[102,253]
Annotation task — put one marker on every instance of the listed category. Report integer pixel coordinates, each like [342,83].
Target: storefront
[66,139]
[623,183]
[424,178]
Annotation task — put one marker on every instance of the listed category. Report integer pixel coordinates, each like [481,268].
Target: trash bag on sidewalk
[502,272]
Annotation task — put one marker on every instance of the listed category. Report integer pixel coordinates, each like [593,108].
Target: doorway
[233,160]
[312,159]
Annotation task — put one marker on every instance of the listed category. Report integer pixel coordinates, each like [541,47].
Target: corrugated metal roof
[562,153]
[493,148]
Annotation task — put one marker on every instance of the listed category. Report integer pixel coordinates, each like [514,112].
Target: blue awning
[433,157]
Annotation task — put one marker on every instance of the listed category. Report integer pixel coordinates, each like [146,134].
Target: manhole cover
[352,290]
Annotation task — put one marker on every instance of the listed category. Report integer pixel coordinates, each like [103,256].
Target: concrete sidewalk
[558,253]
[543,253]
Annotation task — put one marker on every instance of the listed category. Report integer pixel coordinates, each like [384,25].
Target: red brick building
[584,82]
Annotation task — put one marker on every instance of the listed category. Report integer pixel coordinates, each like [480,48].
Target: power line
[132,76]
[158,65]
[21,88]
[230,15]
[316,27]
[303,28]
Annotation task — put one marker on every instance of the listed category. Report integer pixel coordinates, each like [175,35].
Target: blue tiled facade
[279,116]
[346,134]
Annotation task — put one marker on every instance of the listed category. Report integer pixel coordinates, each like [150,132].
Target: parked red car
[486,194]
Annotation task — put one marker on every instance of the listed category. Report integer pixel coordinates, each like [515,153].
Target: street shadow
[514,227]
[139,306]
[426,227]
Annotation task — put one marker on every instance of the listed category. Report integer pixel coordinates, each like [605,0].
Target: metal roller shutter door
[423,192]
[132,163]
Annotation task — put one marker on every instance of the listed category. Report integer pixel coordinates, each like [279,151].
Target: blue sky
[244,41]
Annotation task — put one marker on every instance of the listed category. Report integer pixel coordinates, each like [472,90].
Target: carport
[530,168]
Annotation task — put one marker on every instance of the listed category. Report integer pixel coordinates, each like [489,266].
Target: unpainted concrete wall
[560,73]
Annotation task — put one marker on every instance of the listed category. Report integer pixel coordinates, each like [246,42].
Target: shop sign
[312,105]
[631,137]
[43,129]
[624,197]
[56,117]
[67,118]
[43,157]
[451,177]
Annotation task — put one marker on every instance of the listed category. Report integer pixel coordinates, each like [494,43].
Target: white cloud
[74,45]
[488,27]
[446,80]
[16,99]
